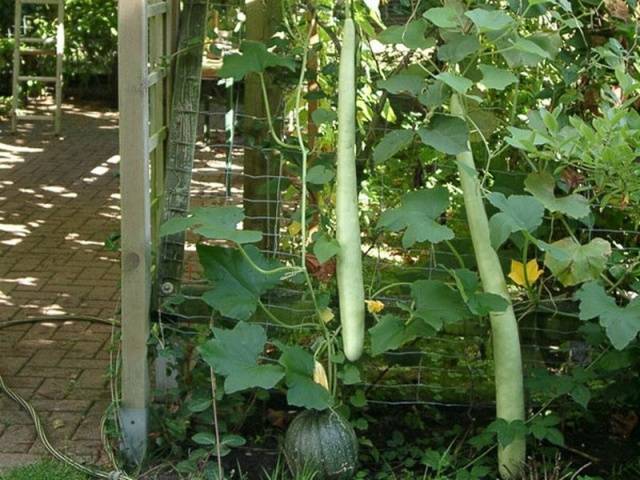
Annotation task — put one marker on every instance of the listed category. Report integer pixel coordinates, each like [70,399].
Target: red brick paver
[58,203]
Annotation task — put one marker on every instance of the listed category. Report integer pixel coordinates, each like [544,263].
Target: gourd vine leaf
[219,223]
[417,215]
[403,83]
[437,304]
[391,333]
[549,385]
[496,78]
[302,391]
[391,144]
[579,263]
[253,58]
[320,174]
[323,115]
[489,20]
[621,324]
[234,354]
[544,428]
[517,213]
[478,302]
[446,134]
[456,82]
[505,431]
[541,186]
[412,35]
[457,47]
[443,17]
[237,285]
[325,248]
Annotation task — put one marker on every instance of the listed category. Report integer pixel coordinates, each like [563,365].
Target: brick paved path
[58,203]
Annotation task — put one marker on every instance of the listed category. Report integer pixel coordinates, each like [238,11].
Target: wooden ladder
[41,48]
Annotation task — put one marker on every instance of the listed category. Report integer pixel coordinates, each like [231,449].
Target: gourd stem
[506,341]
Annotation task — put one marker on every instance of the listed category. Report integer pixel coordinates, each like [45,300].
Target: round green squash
[323,443]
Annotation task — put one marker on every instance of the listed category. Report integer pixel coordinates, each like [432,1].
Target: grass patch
[44,470]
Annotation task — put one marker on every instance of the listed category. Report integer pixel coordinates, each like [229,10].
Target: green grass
[44,470]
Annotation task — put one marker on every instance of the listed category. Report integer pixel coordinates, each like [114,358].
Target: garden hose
[42,436]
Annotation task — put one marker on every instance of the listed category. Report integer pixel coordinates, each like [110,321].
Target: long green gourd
[349,264]
[504,327]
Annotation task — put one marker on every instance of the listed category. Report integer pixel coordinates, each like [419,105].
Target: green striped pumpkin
[321,442]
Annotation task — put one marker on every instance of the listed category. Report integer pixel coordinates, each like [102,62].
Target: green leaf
[417,215]
[323,115]
[544,428]
[578,263]
[391,333]
[456,82]
[435,95]
[403,83]
[234,354]
[204,438]
[437,304]
[528,46]
[219,223]
[325,248]
[392,143]
[518,51]
[358,400]
[542,185]
[237,285]
[443,17]
[507,432]
[622,324]
[446,134]
[302,390]
[489,20]
[320,174]
[411,35]
[517,213]
[480,303]
[254,58]
[350,375]
[457,47]
[496,78]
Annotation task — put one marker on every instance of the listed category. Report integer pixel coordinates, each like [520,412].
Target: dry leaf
[320,375]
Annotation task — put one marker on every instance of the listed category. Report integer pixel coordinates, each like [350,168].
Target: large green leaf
[254,58]
[457,47]
[489,20]
[393,142]
[219,223]
[443,17]
[418,214]
[403,83]
[325,248]
[446,134]
[542,185]
[496,78]
[237,285]
[302,390]
[517,213]
[391,333]
[622,324]
[577,263]
[411,35]
[437,304]
[234,354]
[456,82]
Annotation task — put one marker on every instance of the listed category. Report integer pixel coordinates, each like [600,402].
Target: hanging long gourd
[349,265]
[504,327]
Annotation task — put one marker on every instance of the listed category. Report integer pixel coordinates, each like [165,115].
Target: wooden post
[135,224]
[263,18]
[57,121]
[16,66]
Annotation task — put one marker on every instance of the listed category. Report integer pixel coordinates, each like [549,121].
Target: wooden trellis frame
[146,40]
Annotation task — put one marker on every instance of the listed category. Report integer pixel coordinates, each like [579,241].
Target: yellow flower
[517,273]
[320,375]
[326,315]
[374,306]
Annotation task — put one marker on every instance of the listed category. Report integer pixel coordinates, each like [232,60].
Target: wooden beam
[135,224]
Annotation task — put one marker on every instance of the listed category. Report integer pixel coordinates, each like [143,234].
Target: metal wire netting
[452,369]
